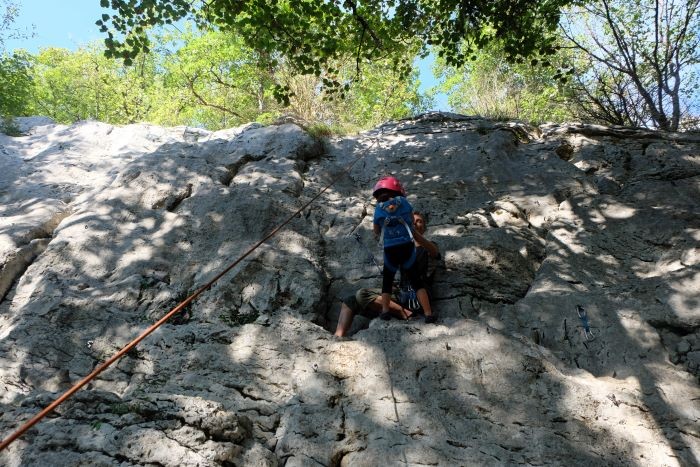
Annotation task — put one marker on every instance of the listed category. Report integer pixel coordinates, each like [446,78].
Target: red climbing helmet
[389,183]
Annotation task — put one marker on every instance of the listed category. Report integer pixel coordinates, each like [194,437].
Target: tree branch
[204,102]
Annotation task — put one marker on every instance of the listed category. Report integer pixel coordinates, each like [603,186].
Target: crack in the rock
[514,449]
[241,390]
[29,248]
[234,168]
[173,204]
[167,435]
[341,435]
[678,330]
[121,458]
[452,297]
[490,455]
[456,444]
[686,432]
[634,406]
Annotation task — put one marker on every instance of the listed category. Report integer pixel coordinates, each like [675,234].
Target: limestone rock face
[104,229]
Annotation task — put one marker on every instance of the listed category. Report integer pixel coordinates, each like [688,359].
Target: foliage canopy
[492,87]
[204,79]
[312,34]
[15,76]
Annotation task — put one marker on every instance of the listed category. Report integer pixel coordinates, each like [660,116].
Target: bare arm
[429,246]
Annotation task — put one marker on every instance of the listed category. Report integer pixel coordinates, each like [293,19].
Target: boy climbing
[393,224]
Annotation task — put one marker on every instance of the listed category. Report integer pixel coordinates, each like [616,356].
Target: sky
[71,23]
[66,23]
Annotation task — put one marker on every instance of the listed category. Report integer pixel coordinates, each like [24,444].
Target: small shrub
[319,130]
[9,127]
[267,118]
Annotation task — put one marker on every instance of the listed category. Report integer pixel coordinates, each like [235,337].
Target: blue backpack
[396,225]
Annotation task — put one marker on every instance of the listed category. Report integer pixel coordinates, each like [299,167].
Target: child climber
[393,219]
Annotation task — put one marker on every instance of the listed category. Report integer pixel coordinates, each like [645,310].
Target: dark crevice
[456,444]
[18,264]
[241,390]
[679,330]
[234,168]
[179,198]
[172,201]
[29,247]
[337,458]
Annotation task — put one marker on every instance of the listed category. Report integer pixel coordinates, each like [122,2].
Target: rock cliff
[103,229]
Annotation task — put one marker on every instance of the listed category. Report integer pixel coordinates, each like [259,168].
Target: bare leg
[394,308]
[424,301]
[386,298]
[385,315]
[346,315]
[344,320]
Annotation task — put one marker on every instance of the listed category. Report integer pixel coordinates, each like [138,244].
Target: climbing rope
[100,368]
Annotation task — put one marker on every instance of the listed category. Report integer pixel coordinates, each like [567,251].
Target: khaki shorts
[359,302]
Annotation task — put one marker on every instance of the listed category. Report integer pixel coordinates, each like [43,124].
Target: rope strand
[100,368]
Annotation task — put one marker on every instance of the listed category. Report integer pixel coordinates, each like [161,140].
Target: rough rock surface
[103,229]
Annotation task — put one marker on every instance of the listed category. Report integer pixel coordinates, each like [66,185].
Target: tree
[638,60]
[376,96]
[219,80]
[312,34]
[492,87]
[84,84]
[16,79]
[211,80]
[380,95]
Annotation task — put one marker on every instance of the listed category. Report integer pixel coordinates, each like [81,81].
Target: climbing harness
[100,368]
[408,298]
[583,316]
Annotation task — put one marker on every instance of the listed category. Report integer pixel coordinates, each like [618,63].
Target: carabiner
[583,316]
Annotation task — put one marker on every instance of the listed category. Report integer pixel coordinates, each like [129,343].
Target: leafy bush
[9,127]
[17,89]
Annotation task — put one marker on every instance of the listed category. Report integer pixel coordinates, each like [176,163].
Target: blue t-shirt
[395,232]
